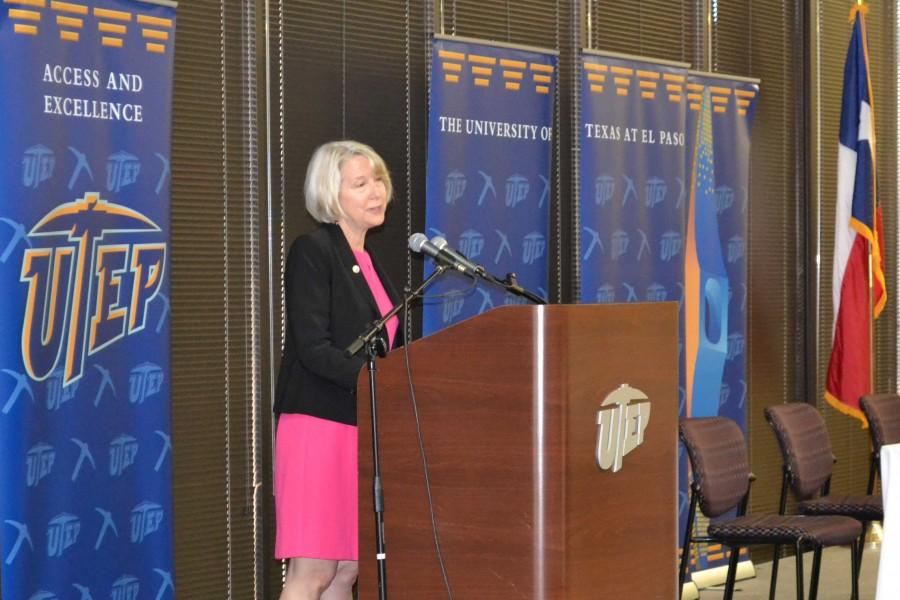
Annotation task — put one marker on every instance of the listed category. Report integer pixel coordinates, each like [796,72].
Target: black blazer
[328,305]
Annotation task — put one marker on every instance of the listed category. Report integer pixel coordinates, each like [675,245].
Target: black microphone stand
[512,286]
[375,346]
[440,251]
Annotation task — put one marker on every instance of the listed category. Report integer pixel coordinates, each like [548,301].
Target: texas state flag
[858,231]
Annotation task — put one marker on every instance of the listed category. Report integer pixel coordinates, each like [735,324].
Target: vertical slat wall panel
[345,73]
[313,76]
[375,90]
[763,39]
[882,31]
[240,207]
[663,29]
[345,69]
[550,25]
[212,294]
[528,22]
[272,231]
[197,324]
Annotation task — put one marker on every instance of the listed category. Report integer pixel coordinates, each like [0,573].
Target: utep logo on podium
[621,426]
[84,295]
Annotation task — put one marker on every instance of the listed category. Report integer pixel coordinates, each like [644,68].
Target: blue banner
[719,120]
[633,187]
[632,180]
[664,217]
[86,508]
[488,183]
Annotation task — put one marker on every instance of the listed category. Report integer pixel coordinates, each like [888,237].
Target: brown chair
[806,452]
[883,414]
[721,482]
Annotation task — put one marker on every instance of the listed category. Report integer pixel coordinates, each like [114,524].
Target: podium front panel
[507,407]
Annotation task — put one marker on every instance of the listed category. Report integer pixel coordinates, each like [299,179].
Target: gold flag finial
[859,7]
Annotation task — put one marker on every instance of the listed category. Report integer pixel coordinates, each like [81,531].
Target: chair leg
[682,568]
[732,573]
[862,545]
[774,581]
[799,549]
[782,507]
[854,572]
[814,577]
[873,467]
[686,546]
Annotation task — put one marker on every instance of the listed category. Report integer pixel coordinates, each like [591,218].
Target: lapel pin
[356,269]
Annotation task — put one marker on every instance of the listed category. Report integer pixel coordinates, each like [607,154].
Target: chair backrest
[883,413]
[805,446]
[718,454]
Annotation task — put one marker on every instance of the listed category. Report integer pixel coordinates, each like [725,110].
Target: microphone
[438,249]
[419,243]
[460,261]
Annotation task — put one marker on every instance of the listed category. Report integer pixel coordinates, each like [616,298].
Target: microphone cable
[421,442]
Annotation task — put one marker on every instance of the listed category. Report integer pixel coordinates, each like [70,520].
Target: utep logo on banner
[84,251]
[488,184]
[72,312]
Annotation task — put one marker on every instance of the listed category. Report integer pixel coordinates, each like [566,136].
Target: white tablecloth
[888,571]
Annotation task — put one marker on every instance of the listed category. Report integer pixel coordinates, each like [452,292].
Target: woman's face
[363,195]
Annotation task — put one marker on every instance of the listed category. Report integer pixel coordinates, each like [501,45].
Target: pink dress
[316,472]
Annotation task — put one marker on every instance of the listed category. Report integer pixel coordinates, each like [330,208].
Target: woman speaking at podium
[334,289]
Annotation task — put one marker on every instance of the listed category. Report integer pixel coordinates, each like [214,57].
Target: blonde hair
[323,177]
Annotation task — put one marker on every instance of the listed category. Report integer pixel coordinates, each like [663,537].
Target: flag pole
[871,318]
[874,201]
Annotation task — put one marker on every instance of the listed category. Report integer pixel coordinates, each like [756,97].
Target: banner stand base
[716,577]
[689,591]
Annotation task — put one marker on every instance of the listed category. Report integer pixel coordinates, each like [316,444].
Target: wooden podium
[508,405]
